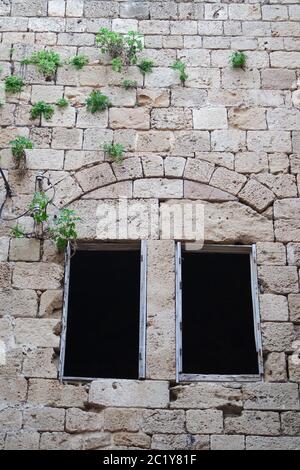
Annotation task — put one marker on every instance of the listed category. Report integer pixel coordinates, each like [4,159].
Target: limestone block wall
[229,138]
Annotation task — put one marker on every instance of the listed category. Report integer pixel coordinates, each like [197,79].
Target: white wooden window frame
[251,250]
[95,246]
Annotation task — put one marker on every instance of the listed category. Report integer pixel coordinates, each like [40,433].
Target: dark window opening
[103,318]
[217,314]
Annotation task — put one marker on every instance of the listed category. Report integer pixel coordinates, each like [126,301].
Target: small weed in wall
[38,207]
[17,231]
[62,103]
[122,48]
[40,109]
[18,147]
[238,60]
[46,62]
[127,84]
[79,61]
[96,101]
[114,151]
[64,228]
[13,84]
[181,67]
[146,66]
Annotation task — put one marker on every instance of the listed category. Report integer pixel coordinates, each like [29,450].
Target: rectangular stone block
[123,118]
[37,276]
[36,332]
[204,421]
[210,118]
[161,310]
[40,362]
[22,440]
[179,442]
[4,247]
[272,443]
[206,395]
[22,249]
[158,187]
[253,422]
[129,393]
[13,391]
[273,307]
[275,367]
[123,419]
[10,420]
[44,419]
[279,279]
[171,119]
[267,396]
[294,307]
[163,421]
[227,442]
[44,159]
[54,394]
[82,421]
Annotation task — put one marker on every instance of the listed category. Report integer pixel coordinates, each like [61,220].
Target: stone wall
[230,138]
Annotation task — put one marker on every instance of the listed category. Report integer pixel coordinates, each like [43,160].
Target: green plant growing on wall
[122,48]
[146,66]
[19,145]
[117,64]
[13,84]
[40,109]
[127,84]
[96,101]
[64,228]
[62,103]
[46,62]
[38,207]
[114,151]
[1,103]
[79,61]
[238,60]
[17,231]
[181,67]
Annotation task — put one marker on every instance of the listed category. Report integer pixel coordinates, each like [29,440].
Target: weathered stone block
[39,363]
[270,396]
[163,421]
[130,168]
[205,192]
[228,180]
[4,247]
[269,141]
[118,419]
[204,421]
[275,367]
[13,390]
[256,195]
[293,254]
[82,421]
[153,98]
[44,419]
[32,8]
[53,393]
[179,442]
[67,138]
[188,97]
[271,253]
[18,303]
[253,422]
[247,118]
[10,420]
[206,395]
[284,119]
[188,142]
[294,367]
[124,118]
[227,442]
[277,79]
[153,165]
[44,159]
[5,274]
[231,140]
[132,440]
[22,440]
[294,307]
[272,443]
[22,249]
[36,332]
[60,440]
[51,302]
[210,118]
[290,422]
[279,279]
[154,141]
[158,187]
[273,307]
[171,119]
[161,307]
[286,214]
[198,170]
[37,276]
[251,162]
[129,393]
[95,177]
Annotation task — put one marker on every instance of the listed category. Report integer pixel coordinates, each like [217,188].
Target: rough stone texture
[204,421]
[270,397]
[128,393]
[44,419]
[228,139]
[253,422]
[161,305]
[275,367]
